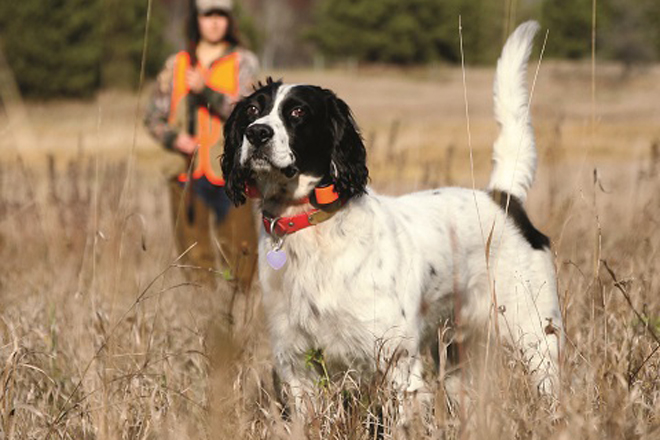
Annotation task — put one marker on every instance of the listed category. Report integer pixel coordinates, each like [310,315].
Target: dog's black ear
[235,175]
[348,167]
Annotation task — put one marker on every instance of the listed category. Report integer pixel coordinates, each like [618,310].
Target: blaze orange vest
[222,77]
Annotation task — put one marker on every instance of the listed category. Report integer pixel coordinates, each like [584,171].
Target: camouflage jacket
[158,108]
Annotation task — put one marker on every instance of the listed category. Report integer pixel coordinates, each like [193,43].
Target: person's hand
[195,80]
[185,144]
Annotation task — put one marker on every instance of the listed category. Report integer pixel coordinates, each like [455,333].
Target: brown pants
[226,249]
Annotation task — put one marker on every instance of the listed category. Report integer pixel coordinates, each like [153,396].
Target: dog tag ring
[276,257]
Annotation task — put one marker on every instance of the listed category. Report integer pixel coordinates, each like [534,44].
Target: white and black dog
[368,278]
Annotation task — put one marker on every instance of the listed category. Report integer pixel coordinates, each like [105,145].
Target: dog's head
[289,138]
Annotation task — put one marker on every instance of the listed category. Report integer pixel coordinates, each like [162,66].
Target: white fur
[361,285]
[514,152]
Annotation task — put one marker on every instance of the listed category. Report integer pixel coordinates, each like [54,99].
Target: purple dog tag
[276,258]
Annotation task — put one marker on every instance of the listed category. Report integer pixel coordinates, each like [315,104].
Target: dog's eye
[252,111]
[297,113]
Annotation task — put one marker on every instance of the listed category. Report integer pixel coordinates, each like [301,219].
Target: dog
[368,278]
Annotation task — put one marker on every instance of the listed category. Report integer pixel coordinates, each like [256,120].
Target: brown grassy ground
[103,336]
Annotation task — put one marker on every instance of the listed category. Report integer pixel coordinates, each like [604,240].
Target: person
[194,94]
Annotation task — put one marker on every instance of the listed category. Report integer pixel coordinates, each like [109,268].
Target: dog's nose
[259,134]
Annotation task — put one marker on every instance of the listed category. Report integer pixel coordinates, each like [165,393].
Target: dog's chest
[319,297]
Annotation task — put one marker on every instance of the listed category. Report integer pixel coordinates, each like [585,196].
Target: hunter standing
[194,95]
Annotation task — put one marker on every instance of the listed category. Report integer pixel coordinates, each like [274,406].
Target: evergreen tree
[569,22]
[379,30]
[124,26]
[654,19]
[53,49]
[414,31]
[71,48]
[483,29]
[627,33]
[251,36]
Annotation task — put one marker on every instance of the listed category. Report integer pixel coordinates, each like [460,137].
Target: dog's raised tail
[514,152]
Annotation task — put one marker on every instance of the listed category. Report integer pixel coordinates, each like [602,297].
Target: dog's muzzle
[260,136]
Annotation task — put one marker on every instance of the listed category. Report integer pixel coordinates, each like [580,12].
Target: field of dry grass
[103,335]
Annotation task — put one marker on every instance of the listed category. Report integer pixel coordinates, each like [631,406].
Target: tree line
[75,47]
[422,31]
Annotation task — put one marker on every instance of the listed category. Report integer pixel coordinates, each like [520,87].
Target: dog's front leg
[299,383]
[413,396]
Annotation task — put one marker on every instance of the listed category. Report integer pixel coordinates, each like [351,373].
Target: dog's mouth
[261,163]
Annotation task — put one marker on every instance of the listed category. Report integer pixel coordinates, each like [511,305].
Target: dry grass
[103,336]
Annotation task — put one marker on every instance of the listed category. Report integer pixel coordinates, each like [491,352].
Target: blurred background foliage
[73,48]
[411,32]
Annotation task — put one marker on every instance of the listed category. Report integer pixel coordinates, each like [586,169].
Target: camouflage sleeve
[158,108]
[247,74]
[248,70]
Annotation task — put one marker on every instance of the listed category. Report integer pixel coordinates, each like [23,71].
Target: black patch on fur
[314,309]
[377,424]
[237,176]
[435,351]
[281,396]
[453,353]
[517,213]
[348,168]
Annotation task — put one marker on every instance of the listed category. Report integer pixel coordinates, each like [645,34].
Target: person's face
[213,27]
